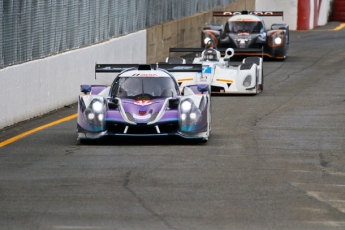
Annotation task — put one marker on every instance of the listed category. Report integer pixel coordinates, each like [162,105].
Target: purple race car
[144,100]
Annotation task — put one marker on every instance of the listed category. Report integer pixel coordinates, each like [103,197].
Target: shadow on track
[141,141]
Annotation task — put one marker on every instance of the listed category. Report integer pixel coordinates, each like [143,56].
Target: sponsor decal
[232,13]
[110,68]
[250,13]
[185,79]
[144,75]
[242,41]
[183,67]
[207,70]
[224,80]
[243,20]
[142,102]
[243,34]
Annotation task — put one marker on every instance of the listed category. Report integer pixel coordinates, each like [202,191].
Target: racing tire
[203,141]
[83,141]
[261,86]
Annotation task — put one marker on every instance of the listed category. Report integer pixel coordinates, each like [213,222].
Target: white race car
[219,73]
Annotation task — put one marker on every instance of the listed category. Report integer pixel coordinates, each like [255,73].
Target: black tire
[261,87]
[83,141]
[203,141]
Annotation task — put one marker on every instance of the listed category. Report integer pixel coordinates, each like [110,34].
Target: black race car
[246,31]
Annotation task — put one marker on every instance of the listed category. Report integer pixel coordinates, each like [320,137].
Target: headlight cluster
[247,81]
[189,113]
[94,114]
[207,39]
[276,39]
[210,40]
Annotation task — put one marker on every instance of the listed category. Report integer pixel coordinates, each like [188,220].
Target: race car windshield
[251,27]
[153,87]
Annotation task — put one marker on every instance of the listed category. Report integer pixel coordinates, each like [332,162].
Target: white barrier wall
[38,87]
[299,14]
[288,6]
[323,14]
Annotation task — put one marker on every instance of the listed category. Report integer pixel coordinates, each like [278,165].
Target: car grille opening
[114,128]
[217,89]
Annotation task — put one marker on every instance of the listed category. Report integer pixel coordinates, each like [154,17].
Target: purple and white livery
[144,100]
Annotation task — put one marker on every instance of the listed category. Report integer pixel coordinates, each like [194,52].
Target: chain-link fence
[32,29]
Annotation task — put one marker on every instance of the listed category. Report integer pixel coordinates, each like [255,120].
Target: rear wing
[238,51]
[244,12]
[180,67]
[117,68]
[113,68]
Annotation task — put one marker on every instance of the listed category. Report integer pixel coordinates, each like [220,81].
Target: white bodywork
[224,77]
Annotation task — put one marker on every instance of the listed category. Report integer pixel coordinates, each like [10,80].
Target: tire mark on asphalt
[141,202]
[298,71]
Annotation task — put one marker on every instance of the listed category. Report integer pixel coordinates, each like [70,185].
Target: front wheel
[203,140]
[261,86]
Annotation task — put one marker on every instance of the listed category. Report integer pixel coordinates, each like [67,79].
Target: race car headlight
[100,117]
[97,106]
[190,114]
[95,113]
[186,106]
[91,116]
[247,81]
[207,39]
[278,40]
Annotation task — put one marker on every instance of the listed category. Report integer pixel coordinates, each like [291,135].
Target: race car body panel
[143,101]
[246,29]
[217,71]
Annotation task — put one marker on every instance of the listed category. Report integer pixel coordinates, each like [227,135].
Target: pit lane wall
[299,14]
[38,87]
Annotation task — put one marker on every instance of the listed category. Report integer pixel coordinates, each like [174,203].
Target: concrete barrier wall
[299,14]
[38,87]
[185,32]
[288,6]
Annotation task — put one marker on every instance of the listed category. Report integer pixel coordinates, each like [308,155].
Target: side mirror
[85,89]
[113,103]
[187,91]
[203,88]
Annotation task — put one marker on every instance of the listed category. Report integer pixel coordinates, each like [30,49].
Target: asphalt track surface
[275,160]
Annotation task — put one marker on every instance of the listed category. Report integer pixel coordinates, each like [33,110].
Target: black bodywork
[246,31]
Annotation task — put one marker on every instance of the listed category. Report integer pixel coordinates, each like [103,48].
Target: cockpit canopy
[245,26]
[210,55]
[153,87]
